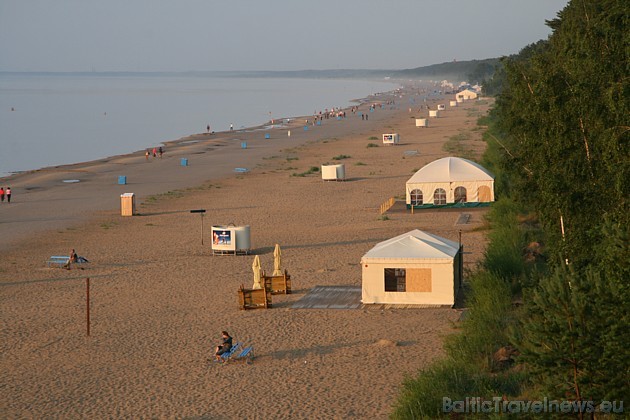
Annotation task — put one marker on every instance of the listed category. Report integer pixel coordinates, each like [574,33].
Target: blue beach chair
[246,355]
[227,355]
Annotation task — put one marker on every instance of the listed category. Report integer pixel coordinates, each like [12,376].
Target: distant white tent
[467,94]
[413,268]
[450,181]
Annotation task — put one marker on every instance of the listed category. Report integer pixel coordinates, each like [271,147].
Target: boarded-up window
[484,194]
[418,280]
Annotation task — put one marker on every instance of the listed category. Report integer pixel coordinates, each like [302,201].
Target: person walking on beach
[146,155]
[1,194]
[231,127]
[160,152]
[208,128]
[154,152]
[8,194]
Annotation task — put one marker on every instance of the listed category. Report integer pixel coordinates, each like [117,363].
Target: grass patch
[372,138]
[454,145]
[383,217]
[371,145]
[311,170]
[341,157]
[360,164]
[289,159]
[108,225]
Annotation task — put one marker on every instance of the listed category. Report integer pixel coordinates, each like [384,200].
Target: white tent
[467,94]
[450,180]
[413,268]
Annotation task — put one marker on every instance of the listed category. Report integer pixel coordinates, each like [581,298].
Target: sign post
[201,212]
[87,306]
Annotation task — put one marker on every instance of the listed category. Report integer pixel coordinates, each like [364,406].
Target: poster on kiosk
[223,238]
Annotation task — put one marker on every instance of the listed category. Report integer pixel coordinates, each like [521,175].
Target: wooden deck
[345,297]
[330,297]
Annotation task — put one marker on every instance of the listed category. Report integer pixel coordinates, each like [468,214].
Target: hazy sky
[180,35]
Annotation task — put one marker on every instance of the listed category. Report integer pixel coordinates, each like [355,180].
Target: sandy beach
[160,299]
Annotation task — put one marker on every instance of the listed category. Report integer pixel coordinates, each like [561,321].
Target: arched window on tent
[439,196]
[460,195]
[416,197]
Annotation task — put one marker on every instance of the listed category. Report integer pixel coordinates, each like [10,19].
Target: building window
[460,195]
[395,280]
[439,197]
[416,197]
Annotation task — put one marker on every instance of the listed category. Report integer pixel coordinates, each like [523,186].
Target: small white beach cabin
[415,268]
[450,181]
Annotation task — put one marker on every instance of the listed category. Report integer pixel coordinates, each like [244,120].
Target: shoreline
[29,186]
[92,130]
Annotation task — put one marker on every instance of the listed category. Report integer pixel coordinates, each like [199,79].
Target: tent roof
[416,245]
[451,169]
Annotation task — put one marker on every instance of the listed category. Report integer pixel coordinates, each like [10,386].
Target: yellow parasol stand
[276,261]
[256,268]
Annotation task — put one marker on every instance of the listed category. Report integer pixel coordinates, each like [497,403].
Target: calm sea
[48,120]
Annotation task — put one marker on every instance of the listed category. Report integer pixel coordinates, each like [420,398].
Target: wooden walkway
[331,297]
[346,297]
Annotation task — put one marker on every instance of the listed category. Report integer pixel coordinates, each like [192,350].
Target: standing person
[161,152]
[208,128]
[231,127]
[146,155]
[1,194]
[154,152]
[8,194]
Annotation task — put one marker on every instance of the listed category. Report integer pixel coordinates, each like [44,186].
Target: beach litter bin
[183,162]
[422,122]
[267,136]
[243,145]
[318,123]
[127,204]
[122,180]
[334,172]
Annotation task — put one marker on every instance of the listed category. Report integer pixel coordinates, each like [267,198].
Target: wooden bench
[278,285]
[59,260]
[254,298]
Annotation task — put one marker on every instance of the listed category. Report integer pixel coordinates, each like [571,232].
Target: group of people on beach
[157,151]
[5,193]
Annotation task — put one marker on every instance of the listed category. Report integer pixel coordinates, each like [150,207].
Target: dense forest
[549,307]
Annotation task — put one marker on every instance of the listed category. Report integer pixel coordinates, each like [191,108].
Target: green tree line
[558,142]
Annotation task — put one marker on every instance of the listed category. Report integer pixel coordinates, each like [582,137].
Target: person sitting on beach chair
[225,347]
[73,258]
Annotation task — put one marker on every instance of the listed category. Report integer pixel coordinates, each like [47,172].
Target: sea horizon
[51,119]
